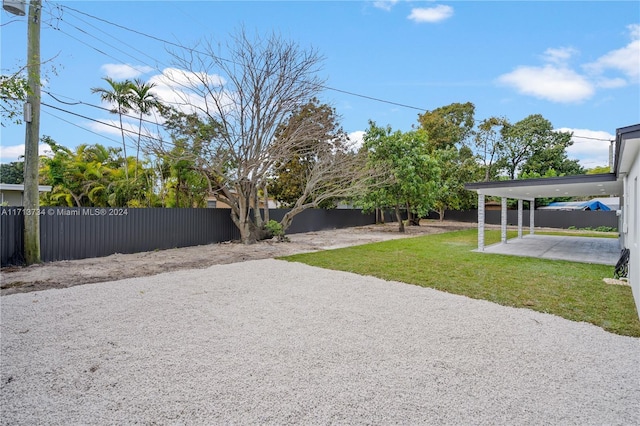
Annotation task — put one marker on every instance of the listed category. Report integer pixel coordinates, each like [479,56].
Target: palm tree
[119,93]
[143,101]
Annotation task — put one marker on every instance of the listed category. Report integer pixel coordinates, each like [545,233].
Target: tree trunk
[266,203]
[243,221]
[441,214]
[178,193]
[288,217]
[250,231]
[76,199]
[124,147]
[399,219]
[412,219]
[257,217]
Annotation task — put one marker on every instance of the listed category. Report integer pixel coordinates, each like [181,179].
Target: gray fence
[79,233]
[543,218]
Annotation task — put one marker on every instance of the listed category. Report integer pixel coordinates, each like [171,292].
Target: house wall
[12,198]
[631,227]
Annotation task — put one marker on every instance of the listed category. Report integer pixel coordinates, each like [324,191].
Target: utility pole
[32,138]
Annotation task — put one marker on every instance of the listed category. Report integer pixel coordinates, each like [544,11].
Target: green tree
[188,186]
[448,125]
[89,176]
[118,93]
[290,176]
[183,169]
[523,144]
[79,178]
[598,170]
[457,167]
[408,175]
[552,155]
[144,101]
[12,172]
[13,94]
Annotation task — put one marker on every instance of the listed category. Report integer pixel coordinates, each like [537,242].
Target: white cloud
[431,14]
[357,139]
[625,60]
[112,127]
[177,78]
[124,71]
[180,88]
[560,55]
[385,4]
[590,147]
[556,84]
[14,152]
[611,83]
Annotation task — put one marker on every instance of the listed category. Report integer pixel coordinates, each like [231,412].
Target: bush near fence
[68,233]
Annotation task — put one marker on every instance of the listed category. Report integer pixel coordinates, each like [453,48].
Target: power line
[591,138]
[145,137]
[83,128]
[137,118]
[350,93]
[159,124]
[122,129]
[60,7]
[129,46]
[235,63]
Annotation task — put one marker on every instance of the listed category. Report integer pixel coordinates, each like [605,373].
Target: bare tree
[252,93]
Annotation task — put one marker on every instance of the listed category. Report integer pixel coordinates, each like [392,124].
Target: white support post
[532,209]
[503,221]
[520,207]
[480,221]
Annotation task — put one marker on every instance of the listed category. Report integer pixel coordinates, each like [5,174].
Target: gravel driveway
[271,342]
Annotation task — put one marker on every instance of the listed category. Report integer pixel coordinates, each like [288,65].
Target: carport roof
[565,186]
[627,149]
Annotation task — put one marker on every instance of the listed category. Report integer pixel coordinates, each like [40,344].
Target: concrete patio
[605,251]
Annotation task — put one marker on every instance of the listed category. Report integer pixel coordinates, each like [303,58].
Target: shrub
[276,230]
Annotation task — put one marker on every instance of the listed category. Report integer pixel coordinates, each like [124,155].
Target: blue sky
[576,63]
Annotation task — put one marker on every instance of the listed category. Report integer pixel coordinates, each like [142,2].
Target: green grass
[446,262]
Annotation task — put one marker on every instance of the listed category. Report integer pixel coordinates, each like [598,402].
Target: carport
[604,251]
[590,250]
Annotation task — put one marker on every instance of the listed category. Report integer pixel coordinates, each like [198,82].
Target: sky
[575,63]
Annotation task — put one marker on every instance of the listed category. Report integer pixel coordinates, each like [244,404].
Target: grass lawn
[446,262]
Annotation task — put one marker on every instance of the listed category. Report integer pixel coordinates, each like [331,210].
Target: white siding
[632,231]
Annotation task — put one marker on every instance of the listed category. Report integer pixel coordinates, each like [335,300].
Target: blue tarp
[580,205]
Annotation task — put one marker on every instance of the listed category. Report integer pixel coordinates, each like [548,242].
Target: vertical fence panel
[11,236]
[78,233]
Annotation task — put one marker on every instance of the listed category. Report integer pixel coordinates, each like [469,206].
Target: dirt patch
[69,273]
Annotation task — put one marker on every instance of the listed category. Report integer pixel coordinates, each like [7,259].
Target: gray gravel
[271,342]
